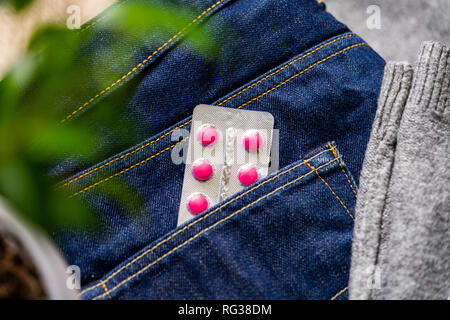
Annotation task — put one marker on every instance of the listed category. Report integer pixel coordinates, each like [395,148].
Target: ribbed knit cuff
[394,93]
[431,86]
[375,177]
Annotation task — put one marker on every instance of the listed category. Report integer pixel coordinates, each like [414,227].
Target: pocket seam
[329,187]
[188,226]
[343,171]
[106,289]
[127,169]
[337,295]
[284,67]
[154,262]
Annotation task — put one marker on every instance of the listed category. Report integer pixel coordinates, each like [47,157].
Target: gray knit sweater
[401,246]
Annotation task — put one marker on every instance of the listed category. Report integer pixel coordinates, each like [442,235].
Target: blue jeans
[286,237]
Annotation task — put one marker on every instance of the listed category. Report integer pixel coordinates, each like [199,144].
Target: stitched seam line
[332,191]
[301,72]
[343,170]
[209,228]
[199,220]
[186,123]
[140,64]
[124,155]
[337,295]
[128,169]
[241,106]
[284,67]
[106,290]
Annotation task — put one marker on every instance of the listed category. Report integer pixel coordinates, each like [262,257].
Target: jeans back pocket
[286,237]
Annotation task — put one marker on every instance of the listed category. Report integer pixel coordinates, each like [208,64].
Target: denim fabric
[246,38]
[270,241]
[289,236]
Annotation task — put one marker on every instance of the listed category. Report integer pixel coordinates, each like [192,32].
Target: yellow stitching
[343,170]
[201,219]
[209,228]
[243,105]
[106,289]
[300,73]
[123,156]
[126,170]
[339,293]
[284,67]
[142,63]
[186,123]
[332,191]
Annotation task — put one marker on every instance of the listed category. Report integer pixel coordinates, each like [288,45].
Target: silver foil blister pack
[229,150]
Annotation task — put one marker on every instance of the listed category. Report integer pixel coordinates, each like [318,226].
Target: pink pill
[202,169]
[207,135]
[247,175]
[252,140]
[197,203]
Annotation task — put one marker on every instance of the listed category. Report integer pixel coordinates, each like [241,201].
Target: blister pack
[229,149]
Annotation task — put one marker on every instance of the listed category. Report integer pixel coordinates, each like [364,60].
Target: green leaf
[17,4]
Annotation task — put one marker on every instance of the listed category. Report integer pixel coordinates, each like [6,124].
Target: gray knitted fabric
[375,177]
[401,246]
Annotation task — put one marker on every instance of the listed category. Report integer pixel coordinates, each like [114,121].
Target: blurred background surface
[404,24]
[17,27]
